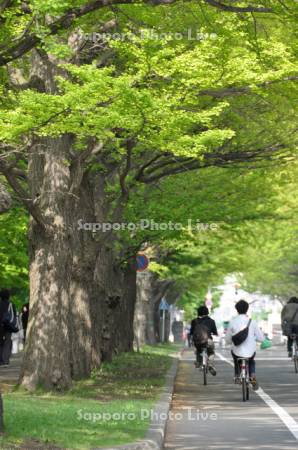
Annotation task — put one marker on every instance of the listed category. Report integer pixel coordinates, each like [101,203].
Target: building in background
[263,308]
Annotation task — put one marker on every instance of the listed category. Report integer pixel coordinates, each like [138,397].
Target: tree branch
[168,162]
[147,164]
[214,160]
[234,90]
[196,164]
[30,40]
[19,173]
[4,5]
[130,143]
[238,9]
[22,194]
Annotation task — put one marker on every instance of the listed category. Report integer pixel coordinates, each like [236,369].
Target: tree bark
[47,351]
[5,200]
[82,300]
[125,317]
[110,283]
[144,314]
[84,354]
[150,290]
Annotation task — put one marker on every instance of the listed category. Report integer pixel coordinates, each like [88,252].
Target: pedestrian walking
[25,318]
[8,325]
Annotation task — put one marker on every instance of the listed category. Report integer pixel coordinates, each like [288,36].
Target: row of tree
[100,130]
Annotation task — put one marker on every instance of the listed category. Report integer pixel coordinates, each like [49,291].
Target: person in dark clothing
[5,336]
[208,326]
[290,314]
[25,317]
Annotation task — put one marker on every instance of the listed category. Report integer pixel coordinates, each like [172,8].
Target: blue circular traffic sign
[142,262]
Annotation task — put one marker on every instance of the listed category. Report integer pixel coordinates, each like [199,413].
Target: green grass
[161,349]
[84,417]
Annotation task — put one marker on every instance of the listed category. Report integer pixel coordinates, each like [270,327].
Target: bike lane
[214,416]
[278,379]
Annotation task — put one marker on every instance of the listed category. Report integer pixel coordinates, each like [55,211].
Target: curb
[156,433]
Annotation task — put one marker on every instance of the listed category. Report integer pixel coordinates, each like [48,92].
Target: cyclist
[247,349]
[289,320]
[202,329]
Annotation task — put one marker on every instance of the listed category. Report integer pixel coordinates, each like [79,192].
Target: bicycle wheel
[296,364]
[244,389]
[247,391]
[205,375]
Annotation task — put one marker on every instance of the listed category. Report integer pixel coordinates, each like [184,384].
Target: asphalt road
[214,416]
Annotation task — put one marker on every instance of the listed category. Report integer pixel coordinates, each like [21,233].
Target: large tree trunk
[125,316]
[115,284]
[150,290]
[82,303]
[144,313]
[47,351]
[118,290]
[85,354]
[109,280]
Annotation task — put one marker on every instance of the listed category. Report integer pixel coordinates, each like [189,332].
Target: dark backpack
[200,333]
[287,325]
[10,320]
[241,336]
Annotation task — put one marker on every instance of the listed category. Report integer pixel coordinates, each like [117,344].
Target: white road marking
[259,358]
[274,359]
[285,417]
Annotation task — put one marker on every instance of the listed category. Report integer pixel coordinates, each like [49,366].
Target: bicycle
[295,352]
[205,365]
[190,341]
[244,377]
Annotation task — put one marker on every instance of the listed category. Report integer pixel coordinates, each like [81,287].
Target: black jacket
[4,304]
[25,315]
[208,323]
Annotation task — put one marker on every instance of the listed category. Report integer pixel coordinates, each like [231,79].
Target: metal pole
[163,324]
[1,416]
[170,321]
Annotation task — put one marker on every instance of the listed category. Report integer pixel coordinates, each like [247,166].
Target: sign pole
[163,306]
[163,325]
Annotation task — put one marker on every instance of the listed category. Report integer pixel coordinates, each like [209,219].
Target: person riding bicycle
[202,329]
[246,349]
[289,322]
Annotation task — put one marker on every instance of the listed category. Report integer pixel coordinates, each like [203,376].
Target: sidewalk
[9,375]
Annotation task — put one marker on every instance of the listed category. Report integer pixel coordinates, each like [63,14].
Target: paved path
[214,416]
[9,375]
